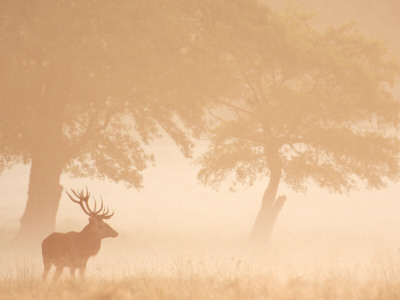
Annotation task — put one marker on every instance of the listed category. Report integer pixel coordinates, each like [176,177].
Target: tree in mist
[85,86]
[308,108]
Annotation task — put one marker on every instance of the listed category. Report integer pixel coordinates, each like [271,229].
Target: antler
[104,212]
[83,198]
[101,213]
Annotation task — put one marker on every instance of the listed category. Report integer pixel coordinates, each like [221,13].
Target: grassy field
[225,279]
[171,269]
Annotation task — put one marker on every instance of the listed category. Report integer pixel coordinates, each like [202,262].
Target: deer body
[68,249]
[73,249]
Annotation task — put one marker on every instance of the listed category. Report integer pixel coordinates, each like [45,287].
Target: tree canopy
[95,81]
[86,86]
[318,106]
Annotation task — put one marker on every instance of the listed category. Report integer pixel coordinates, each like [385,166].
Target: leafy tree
[309,108]
[85,85]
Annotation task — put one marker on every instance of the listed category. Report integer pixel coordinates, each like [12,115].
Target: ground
[197,279]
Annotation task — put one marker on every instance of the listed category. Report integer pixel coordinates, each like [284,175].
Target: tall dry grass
[187,278]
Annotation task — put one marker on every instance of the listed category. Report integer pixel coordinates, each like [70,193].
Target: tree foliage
[95,82]
[87,85]
[319,106]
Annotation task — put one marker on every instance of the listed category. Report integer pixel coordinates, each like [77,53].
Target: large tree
[85,85]
[309,108]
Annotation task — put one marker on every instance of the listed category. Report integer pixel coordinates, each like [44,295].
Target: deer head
[97,227]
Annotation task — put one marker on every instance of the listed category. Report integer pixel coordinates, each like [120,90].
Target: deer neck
[89,242]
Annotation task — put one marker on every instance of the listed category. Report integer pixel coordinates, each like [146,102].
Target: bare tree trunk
[48,156]
[44,194]
[269,211]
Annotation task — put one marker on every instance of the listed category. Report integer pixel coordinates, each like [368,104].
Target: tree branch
[256,97]
[294,149]
[81,123]
[90,132]
[236,108]
[217,118]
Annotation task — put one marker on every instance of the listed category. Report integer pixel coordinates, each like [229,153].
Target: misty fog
[170,215]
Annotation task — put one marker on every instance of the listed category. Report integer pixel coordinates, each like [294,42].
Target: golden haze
[185,117]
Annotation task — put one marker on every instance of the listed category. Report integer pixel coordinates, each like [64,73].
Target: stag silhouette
[73,249]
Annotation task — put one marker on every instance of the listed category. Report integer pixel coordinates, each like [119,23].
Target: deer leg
[72,271]
[59,270]
[46,270]
[82,272]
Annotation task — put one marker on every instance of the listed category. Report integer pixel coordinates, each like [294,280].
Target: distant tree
[85,85]
[308,107]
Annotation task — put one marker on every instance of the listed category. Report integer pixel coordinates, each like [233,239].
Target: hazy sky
[378,19]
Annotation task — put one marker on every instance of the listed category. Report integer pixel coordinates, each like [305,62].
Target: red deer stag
[73,249]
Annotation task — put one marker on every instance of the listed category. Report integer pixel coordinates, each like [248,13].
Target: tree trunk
[48,156]
[269,211]
[44,194]
[49,152]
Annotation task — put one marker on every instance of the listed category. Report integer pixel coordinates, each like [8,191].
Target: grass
[172,270]
[227,279]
